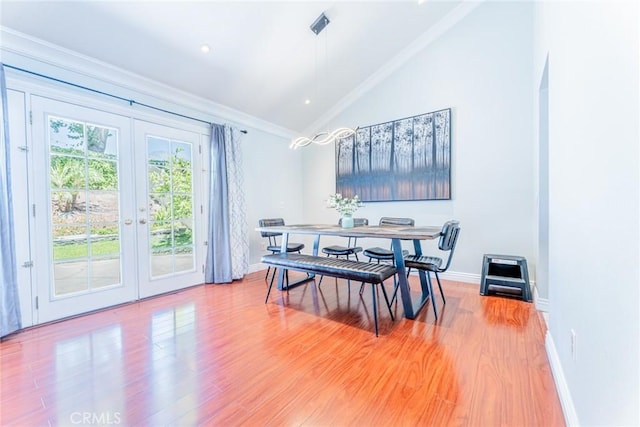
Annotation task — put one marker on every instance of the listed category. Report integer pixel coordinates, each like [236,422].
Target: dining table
[396,234]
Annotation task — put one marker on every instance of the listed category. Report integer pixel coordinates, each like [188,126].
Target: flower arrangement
[344,205]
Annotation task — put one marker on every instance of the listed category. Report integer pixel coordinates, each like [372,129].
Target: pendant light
[326,137]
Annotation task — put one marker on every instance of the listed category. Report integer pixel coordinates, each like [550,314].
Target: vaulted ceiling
[264,59]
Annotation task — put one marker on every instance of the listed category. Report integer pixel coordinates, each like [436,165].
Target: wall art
[406,159]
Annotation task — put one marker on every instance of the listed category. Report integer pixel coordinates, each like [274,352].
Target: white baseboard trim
[256,267]
[542,304]
[460,277]
[570,415]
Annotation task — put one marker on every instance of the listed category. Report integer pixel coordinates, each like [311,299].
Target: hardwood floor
[217,355]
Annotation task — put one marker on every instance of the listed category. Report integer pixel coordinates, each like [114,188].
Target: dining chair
[382,254]
[350,249]
[431,264]
[272,237]
[386,255]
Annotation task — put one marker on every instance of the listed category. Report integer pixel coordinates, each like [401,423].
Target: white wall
[482,69]
[273,186]
[594,201]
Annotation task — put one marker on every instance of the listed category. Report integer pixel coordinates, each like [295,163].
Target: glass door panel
[85,206]
[171,196]
[170,178]
[82,233]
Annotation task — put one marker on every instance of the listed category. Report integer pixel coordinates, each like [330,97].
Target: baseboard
[570,415]
[460,277]
[542,304]
[256,267]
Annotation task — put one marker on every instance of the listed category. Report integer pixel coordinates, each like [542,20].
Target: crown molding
[429,36]
[29,49]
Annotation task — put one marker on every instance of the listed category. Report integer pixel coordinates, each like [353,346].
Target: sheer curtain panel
[228,248]
[9,298]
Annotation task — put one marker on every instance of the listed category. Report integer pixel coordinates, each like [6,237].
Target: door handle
[142,221]
[127,222]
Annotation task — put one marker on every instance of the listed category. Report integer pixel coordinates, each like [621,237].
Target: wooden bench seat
[335,267]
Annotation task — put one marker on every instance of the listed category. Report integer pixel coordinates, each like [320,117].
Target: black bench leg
[267,275]
[270,286]
[375,308]
[386,298]
[273,276]
[395,290]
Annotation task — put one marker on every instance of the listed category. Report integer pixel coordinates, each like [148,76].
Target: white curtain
[9,303]
[228,248]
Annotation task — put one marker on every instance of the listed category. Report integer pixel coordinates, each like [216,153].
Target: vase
[346,221]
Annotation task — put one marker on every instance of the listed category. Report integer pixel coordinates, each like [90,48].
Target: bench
[335,267]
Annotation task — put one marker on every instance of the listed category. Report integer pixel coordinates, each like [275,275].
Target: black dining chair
[431,264]
[351,248]
[386,255]
[381,254]
[272,237]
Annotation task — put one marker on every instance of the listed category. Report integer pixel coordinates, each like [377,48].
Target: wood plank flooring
[217,355]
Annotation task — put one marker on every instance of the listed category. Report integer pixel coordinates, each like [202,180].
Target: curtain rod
[130,101]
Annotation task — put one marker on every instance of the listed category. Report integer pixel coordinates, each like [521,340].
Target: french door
[114,203]
[167,203]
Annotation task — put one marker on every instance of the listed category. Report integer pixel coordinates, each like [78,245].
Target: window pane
[105,272]
[184,259]
[70,277]
[67,173]
[161,240]
[66,136]
[103,175]
[181,155]
[182,207]
[182,181]
[67,208]
[182,235]
[103,206]
[158,151]
[159,179]
[102,141]
[101,246]
[159,207]
[161,264]
[69,242]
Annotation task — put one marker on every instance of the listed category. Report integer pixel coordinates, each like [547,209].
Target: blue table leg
[409,311]
[283,250]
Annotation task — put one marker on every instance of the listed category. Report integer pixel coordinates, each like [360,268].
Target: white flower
[344,205]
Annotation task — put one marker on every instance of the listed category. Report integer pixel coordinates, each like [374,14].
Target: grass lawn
[80,250]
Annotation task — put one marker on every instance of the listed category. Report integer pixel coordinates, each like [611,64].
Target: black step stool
[506,275]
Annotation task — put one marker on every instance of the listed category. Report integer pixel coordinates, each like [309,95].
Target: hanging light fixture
[326,137]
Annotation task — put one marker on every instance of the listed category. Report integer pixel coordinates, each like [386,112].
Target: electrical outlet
[574,344]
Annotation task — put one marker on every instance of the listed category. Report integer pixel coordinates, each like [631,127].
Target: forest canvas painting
[406,159]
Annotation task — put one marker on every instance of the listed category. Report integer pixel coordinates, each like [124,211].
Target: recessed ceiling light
[307,101]
[421,1]
[205,48]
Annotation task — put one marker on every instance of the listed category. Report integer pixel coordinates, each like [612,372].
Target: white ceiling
[264,60]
